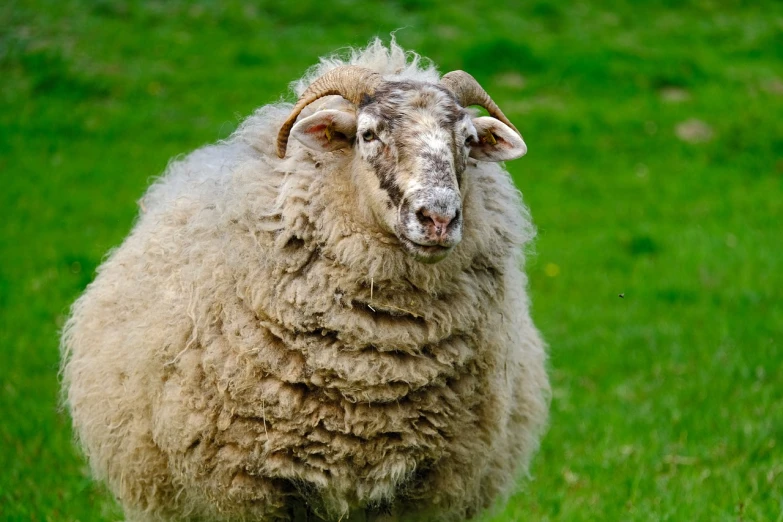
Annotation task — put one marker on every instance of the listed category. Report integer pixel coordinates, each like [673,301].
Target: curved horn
[349,81]
[469,92]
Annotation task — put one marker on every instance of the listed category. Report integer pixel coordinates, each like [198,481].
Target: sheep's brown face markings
[413,138]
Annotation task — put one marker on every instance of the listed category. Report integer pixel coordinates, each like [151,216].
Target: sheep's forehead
[414,109]
[422,121]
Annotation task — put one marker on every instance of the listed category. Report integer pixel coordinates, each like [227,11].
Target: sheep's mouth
[426,253]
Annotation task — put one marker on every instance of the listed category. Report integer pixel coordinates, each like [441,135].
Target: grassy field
[655,177]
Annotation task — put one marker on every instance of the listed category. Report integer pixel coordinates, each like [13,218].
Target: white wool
[392,62]
[253,345]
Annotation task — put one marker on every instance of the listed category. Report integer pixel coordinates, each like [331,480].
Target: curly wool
[254,344]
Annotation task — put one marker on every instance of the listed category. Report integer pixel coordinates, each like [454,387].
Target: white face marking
[410,156]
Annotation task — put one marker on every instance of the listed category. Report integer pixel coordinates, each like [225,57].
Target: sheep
[331,328]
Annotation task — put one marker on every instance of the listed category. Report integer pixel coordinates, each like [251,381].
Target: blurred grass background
[655,176]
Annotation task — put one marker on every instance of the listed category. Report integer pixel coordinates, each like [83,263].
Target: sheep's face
[411,143]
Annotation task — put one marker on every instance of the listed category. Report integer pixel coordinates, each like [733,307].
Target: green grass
[668,402]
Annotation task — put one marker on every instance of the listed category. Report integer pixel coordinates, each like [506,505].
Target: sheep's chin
[428,254]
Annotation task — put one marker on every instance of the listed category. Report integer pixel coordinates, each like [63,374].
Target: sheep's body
[255,342]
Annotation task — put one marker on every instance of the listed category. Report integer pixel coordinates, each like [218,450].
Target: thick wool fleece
[254,344]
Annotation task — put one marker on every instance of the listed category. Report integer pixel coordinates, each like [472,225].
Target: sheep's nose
[435,222]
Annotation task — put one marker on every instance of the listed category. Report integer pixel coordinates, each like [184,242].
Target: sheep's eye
[368,136]
[469,141]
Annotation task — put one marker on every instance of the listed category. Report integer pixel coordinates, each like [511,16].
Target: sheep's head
[411,142]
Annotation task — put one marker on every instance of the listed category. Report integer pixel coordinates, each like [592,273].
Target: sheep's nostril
[436,223]
[439,219]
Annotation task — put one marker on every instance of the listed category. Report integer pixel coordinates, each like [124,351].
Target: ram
[331,328]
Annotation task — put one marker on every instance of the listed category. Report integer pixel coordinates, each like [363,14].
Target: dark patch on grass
[247,58]
[80,270]
[110,8]
[684,72]
[51,74]
[550,13]
[676,295]
[546,10]
[775,44]
[415,5]
[500,55]
[642,245]
[288,14]
[5,290]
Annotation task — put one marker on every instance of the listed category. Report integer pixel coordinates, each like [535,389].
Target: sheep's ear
[326,130]
[496,141]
